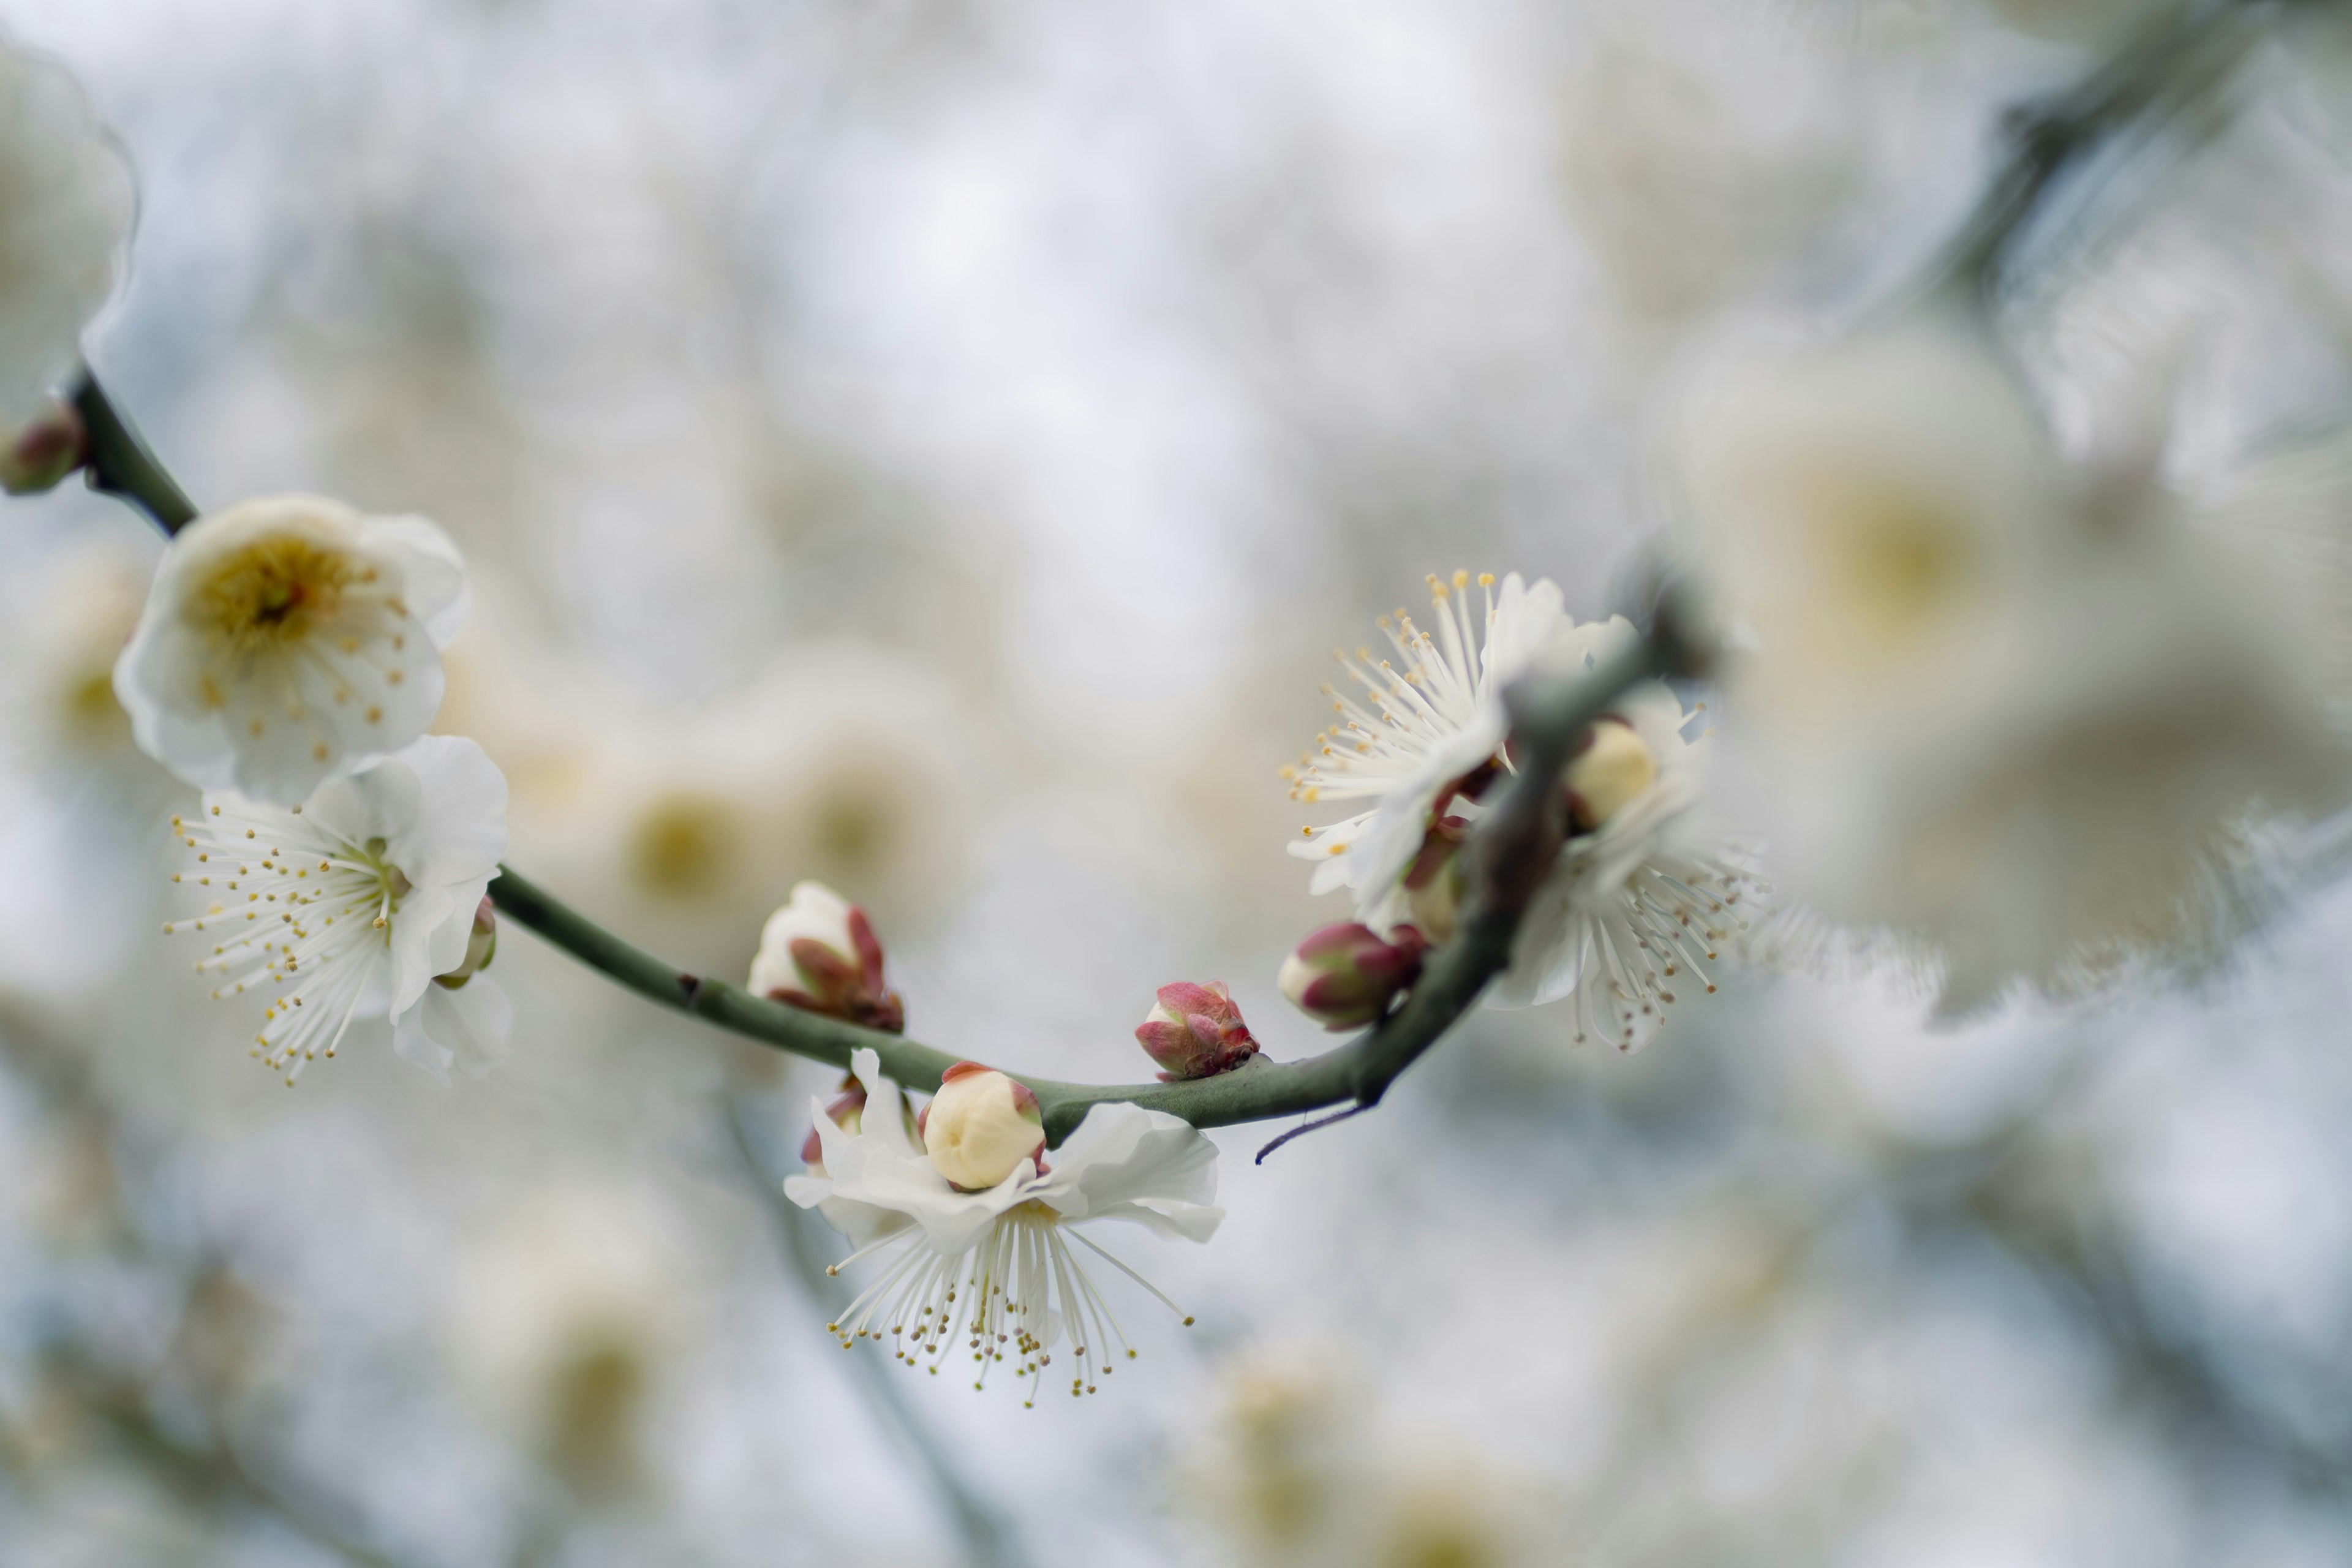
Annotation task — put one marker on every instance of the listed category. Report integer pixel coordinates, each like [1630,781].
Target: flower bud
[1344,976]
[1613,768]
[1436,881]
[819,953]
[481,945]
[1195,1031]
[847,1112]
[44,451]
[981,1125]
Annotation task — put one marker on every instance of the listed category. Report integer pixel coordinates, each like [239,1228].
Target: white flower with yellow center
[290,640]
[65,212]
[1632,902]
[978,1231]
[364,899]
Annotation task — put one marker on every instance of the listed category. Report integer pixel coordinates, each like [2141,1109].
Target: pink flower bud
[1195,1031]
[481,946]
[43,452]
[819,953]
[847,1112]
[1344,976]
[981,1125]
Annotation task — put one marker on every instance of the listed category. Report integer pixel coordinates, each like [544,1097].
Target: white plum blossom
[361,901]
[994,1272]
[1635,897]
[2001,707]
[66,202]
[290,640]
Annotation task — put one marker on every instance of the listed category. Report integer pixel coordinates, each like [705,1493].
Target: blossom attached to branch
[1633,899]
[290,641]
[819,953]
[1195,1031]
[994,1271]
[355,903]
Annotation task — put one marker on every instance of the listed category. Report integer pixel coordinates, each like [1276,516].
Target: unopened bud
[44,451]
[481,946]
[1613,768]
[1345,976]
[1195,1031]
[981,1125]
[847,1112]
[819,953]
[1436,881]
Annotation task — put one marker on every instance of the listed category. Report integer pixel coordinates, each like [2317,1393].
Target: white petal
[1124,1155]
[432,571]
[468,1025]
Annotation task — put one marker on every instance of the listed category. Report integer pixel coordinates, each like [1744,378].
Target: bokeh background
[932,446]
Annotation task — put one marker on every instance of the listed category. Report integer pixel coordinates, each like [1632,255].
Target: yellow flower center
[276,592]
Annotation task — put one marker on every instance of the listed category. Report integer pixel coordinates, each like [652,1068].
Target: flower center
[1615,768]
[275,591]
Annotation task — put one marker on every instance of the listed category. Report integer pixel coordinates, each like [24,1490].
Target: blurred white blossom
[563,1316]
[2012,712]
[290,640]
[1299,1471]
[65,212]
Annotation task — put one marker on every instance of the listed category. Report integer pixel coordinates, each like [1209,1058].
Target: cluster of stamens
[1668,921]
[1007,1300]
[1384,738]
[310,921]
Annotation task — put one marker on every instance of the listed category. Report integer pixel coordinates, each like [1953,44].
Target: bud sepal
[819,953]
[1195,1031]
[1346,976]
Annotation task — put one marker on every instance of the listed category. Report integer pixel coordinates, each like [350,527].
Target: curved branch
[1512,849]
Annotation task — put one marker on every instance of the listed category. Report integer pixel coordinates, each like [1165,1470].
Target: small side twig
[1305,1127]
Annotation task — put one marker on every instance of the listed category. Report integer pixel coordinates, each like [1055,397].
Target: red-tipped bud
[981,1125]
[819,953]
[847,1111]
[481,946]
[1345,976]
[43,452]
[1195,1031]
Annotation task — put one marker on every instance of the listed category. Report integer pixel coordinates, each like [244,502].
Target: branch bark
[1510,850]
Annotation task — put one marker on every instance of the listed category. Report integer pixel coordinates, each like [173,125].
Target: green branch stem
[1513,846]
[2185,60]
[118,463]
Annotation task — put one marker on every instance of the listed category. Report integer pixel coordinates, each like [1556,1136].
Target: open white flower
[363,900]
[1633,899]
[65,212]
[290,640]
[994,1271]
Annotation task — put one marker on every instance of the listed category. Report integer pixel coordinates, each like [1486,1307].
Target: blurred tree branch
[2184,61]
[212,1465]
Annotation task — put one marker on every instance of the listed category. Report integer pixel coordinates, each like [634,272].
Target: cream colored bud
[981,1125]
[1615,768]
